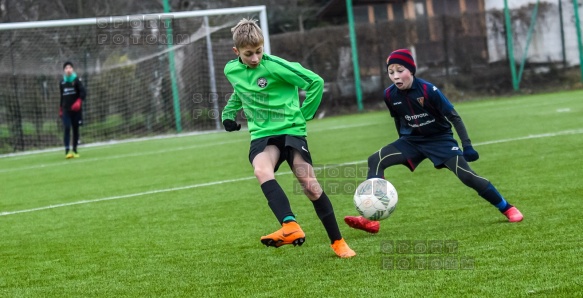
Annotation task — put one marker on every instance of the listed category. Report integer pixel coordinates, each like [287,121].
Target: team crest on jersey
[421,100]
[262,82]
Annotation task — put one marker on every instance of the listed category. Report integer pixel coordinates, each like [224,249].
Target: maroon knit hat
[402,57]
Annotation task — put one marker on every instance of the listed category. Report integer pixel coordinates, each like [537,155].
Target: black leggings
[71,120]
[459,166]
[390,156]
[382,159]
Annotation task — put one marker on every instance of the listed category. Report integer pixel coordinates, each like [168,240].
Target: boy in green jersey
[266,88]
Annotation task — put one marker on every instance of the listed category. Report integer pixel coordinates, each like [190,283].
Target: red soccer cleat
[361,223]
[513,215]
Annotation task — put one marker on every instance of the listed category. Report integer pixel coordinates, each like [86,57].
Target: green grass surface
[159,218]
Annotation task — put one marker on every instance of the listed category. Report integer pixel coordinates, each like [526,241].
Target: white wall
[499,4]
[545,45]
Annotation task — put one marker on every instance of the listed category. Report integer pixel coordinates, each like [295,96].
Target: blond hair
[247,33]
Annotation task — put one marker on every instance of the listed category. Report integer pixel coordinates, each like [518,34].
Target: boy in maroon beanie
[423,118]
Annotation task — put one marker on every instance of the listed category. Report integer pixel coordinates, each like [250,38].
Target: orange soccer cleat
[342,249]
[290,233]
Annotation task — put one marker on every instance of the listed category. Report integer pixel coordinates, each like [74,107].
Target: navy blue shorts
[286,145]
[438,149]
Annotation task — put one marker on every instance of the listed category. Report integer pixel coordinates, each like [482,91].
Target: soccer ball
[375,199]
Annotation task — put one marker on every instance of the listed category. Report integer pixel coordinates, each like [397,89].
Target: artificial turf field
[182,217]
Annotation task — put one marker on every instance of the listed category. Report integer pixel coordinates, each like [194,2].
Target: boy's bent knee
[263,174]
[374,159]
[312,189]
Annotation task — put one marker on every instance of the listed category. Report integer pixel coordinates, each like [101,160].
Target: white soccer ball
[375,199]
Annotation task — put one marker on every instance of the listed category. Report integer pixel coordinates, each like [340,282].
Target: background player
[423,118]
[266,88]
[72,97]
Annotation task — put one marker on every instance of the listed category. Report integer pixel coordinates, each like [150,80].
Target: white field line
[110,143]
[545,135]
[106,144]
[153,192]
[537,136]
[141,153]
[83,160]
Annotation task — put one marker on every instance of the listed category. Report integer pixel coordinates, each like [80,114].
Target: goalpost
[145,75]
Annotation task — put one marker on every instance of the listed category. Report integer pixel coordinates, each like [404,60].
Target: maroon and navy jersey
[421,110]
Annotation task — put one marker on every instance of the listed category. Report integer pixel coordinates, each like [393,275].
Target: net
[133,88]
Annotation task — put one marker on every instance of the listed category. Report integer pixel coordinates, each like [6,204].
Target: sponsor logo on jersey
[415,125]
[262,82]
[415,117]
[69,91]
[396,103]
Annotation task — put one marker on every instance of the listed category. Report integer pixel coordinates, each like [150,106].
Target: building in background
[547,30]
[374,11]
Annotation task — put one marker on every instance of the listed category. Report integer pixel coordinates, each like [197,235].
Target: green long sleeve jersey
[268,95]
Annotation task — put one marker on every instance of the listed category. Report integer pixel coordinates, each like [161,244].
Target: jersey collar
[263,58]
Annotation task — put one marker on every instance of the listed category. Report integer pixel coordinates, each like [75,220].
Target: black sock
[325,212]
[67,151]
[276,199]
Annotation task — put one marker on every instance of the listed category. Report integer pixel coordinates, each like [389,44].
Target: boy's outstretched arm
[469,153]
[313,98]
[230,113]
[442,103]
[305,79]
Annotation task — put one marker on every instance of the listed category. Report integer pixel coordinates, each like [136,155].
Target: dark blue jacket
[423,110]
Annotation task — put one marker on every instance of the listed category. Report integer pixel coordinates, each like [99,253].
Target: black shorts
[71,118]
[286,145]
[438,149]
